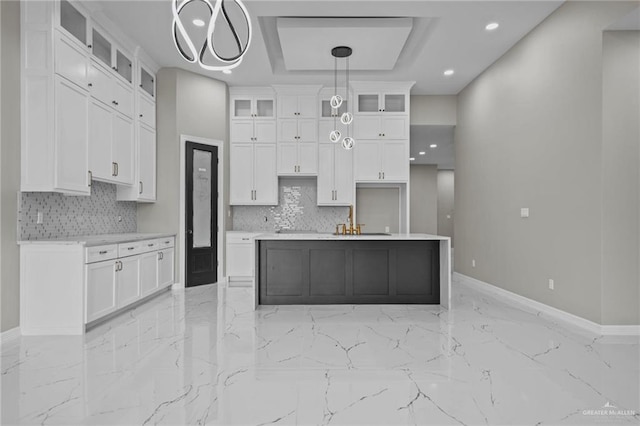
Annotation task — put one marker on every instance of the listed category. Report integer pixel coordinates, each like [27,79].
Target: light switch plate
[524,212]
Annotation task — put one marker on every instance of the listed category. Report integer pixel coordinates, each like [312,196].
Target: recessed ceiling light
[422,153]
[492,26]
[227,71]
[448,72]
[412,158]
[198,22]
[433,145]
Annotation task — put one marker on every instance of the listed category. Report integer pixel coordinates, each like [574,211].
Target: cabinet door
[147,111]
[308,130]
[393,102]
[71,61]
[241,173]
[73,22]
[264,108]
[100,83]
[128,282]
[71,134]
[148,273]
[367,161]
[242,131]
[101,289]
[394,127]
[147,82]
[265,131]
[326,194]
[124,65]
[100,137]
[123,98]
[395,160]
[265,175]
[287,158]
[325,127]
[242,107]
[147,164]
[343,175]
[123,149]
[368,103]
[288,130]
[165,268]
[308,158]
[239,260]
[287,106]
[101,47]
[308,106]
[367,127]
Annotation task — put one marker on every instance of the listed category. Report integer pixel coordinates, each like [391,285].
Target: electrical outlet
[473,263]
[40,218]
[119,218]
[386,229]
[266,219]
[524,212]
[551,284]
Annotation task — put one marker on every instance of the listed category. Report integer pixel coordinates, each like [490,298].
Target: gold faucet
[351,229]
[341,228]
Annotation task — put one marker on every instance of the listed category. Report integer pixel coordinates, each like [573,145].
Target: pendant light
[336,100]
[216,10]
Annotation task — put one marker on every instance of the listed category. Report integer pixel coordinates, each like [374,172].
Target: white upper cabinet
[254,180]
[146,80]
[297,106]
[80,100]
[381,127]
[376,161]
[258,107]
[335,175]
[380,102]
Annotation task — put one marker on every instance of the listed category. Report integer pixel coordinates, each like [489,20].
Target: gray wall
[433,110]
[620,177]
[378,208]
[9,163]
[445,202]
[529,134]
[424,199]
[193,105]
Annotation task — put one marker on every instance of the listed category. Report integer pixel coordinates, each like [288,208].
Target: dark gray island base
[353,271]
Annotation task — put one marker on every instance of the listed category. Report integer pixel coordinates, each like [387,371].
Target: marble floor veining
[203,356]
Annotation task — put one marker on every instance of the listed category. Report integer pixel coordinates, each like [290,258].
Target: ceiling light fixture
[422,153]
[492,26]
[191,54]
[449,72]
[198,22]
[336,100]
[412,158]
[433,145]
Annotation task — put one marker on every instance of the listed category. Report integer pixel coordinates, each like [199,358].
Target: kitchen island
[352,269]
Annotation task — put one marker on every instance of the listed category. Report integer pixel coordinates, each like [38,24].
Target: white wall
[446,193]
[620,177]
[193,105]
[529,134]
[378,208]
[424,198]
[9,163]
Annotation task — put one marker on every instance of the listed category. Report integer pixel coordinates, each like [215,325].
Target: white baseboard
[605,330]
[9,335]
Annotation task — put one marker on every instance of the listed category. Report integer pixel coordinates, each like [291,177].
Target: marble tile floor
[202,356]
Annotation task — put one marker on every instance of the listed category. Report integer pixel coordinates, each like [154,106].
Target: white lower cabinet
[101,289]
[128,281]
[149,265]
[240,255]
[165,267]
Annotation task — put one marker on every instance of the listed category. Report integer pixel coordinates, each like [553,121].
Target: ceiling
[433,37]
[422,137]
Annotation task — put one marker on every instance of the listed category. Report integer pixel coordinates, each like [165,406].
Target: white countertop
[98,240]
[320,236]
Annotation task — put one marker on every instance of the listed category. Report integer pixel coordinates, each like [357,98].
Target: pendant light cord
[335,91]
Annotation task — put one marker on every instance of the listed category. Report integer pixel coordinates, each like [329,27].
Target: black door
[201,212]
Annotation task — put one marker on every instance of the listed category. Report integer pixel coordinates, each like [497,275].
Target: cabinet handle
[383,134]
[150,245]
[160,255]
[379,175]
[130,248]
[113,169]
[141,187]
[382,175]
[115,68]
[167,242]
[89,46]
[245,239]
[117,169]
[140,115]
[90,84]
[102,252]
[255,194]
[90,178]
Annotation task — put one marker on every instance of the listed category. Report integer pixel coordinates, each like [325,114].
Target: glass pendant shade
[336,101]
[347,143]
[334,136]
[346,118]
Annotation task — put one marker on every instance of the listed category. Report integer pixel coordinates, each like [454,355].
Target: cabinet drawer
[149,245]
[129,249]
[241,237]
[100,253]
[166,242]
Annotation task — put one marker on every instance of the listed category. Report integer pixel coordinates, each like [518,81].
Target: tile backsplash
[69,216]
[297,209]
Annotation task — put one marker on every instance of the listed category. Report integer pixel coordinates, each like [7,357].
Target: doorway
[201,214]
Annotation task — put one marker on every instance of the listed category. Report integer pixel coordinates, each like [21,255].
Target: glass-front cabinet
[73,21]
[147,82]
[124,65]
[326,111]
[253,107]
[376,103]
[101,47]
